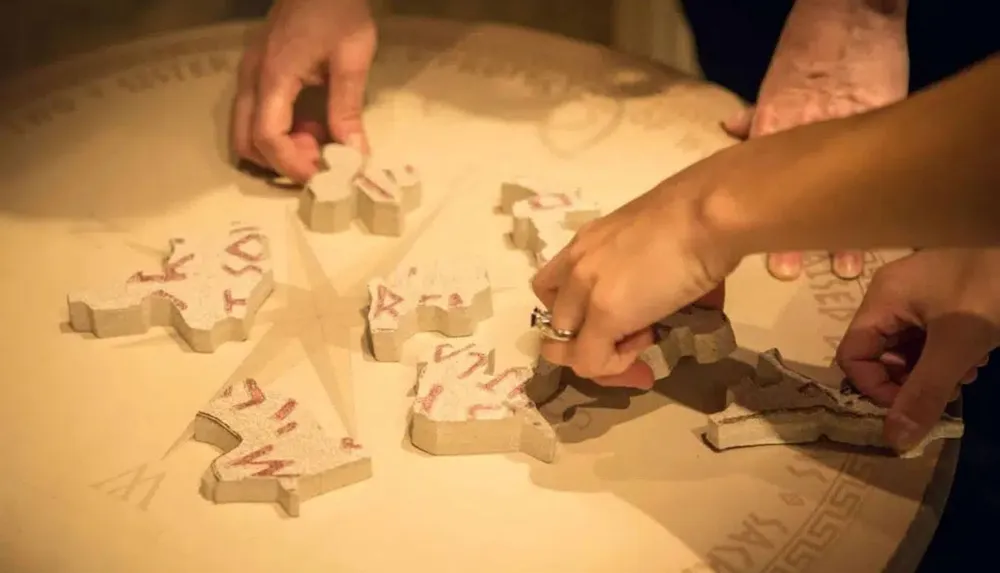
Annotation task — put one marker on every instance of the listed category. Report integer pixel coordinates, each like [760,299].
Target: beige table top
[107,156]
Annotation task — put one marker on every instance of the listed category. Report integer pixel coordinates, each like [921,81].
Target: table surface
[106,156]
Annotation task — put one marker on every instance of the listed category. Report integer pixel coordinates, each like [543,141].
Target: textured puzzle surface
[209,289]
[275,450]
[377,193]
[465,404]
[448,297]
[546,215]
[781,406]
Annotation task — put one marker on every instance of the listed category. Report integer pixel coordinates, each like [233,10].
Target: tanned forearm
[921,173]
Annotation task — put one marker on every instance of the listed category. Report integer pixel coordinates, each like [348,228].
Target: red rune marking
[230,302]
[500,378]
[242,230]
[287,428]
[476,408]
[285,409]
[440,356]
[544,201]
[480,364]
[236,248]
[455,300]
[384,305]
[408,168]
[256,395]
[180,304]
[375,187]
[245,269]
[273,466]
[426,298]
[171,272]
[427,402]
[349,444]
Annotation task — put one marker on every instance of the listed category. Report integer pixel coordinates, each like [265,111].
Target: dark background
[735,40]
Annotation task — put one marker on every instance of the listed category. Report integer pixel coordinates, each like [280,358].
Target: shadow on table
[661,447]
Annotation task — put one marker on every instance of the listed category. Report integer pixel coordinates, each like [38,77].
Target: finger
[345,102]
[600,350]
[785,266]
[848,265]
[550,277]
[638,375]
[738,125]
[864,353]
[568,312]
[243,112]
[921,401]
[276,96]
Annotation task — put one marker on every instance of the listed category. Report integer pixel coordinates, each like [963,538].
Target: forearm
[921,173]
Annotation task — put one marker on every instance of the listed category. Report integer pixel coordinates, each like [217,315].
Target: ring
[541,321]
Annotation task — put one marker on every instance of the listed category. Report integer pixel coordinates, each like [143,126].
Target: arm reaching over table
[924,171]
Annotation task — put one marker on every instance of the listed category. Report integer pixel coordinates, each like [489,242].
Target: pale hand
[303,43]
[926,324]
[805,85]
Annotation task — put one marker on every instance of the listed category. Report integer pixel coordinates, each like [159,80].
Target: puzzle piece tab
[546,218]
[275,450]
[444,296]
[705,335]
[781,406]
[209,289]
[378,194]
[466,405]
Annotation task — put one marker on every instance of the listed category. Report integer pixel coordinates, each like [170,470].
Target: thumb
[949,351]
[738,125]
[346,102]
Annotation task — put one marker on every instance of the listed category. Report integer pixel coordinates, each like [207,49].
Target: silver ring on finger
[541,321]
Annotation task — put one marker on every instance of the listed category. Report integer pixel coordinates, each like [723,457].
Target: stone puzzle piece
[781,406]
[450,297]
[703,334]
[465,405]
[546,218]
[209,289]
[379,195]
[274,450]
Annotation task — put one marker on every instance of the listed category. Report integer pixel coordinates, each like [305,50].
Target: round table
[108,155]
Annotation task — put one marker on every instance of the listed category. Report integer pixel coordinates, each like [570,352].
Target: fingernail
[902,433]
[847,266]
[784,266]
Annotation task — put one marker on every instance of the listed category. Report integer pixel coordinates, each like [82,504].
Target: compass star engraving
[321,316]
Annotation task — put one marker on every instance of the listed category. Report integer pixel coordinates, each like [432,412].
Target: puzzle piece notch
[706,335]
[377,193]
[781,406]
[208,289]
[274,450]
[466,405]
[449,297]
[546,217]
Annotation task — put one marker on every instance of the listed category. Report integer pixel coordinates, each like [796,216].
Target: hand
[926,324]
[627,270]
[827,65]
[304,43]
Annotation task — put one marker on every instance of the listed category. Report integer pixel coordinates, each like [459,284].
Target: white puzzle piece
[209,289]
